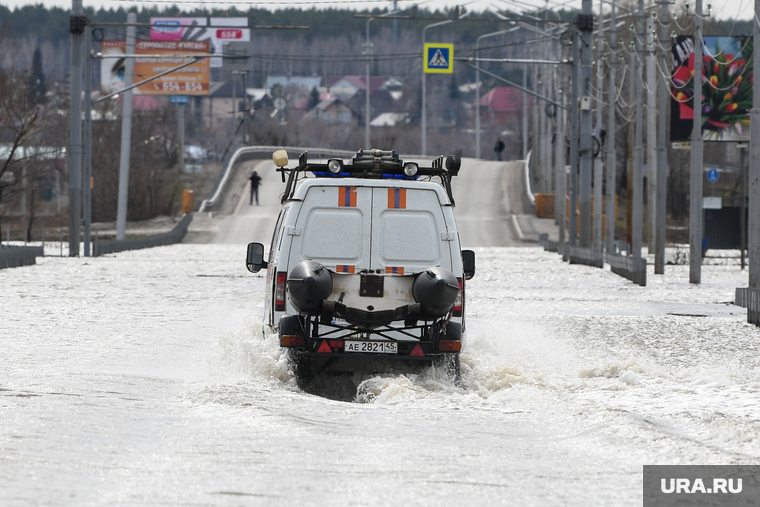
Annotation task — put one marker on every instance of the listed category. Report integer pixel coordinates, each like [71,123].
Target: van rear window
[408,236]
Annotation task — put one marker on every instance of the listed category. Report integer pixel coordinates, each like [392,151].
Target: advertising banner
[190,80]
[216,30]
[726,89]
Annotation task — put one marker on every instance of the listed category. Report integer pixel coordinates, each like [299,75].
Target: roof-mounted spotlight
[410,168]
[335,165]
[453,163]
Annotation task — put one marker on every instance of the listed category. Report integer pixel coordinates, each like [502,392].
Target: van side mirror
[468,263]
[254,261]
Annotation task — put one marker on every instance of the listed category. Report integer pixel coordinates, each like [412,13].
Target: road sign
[241,61]
[438,58]
[713,175]
[179,99]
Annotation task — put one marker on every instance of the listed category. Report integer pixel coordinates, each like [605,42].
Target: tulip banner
[726,88]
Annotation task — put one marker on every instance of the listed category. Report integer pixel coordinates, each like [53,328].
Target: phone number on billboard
[173,86]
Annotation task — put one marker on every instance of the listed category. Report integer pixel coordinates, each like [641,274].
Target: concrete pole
[598,165]
[477,98]
[611,149]
[574,121]
[559,160]
[87,139]
[585,126]
[367,89]
[126,131]
[424,91]
[75,129]
[662,150]
[534,145]
[695,195]
[638,142]
[525,114]
[651,136]
[559,152]
[181,132]
[753,225]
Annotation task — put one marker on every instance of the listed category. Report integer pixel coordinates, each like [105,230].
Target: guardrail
[167,238]
[585,256]
[632,268]
[248,152]
[749,298]
[15,256]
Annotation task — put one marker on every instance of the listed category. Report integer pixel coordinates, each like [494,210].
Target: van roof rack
[372,164]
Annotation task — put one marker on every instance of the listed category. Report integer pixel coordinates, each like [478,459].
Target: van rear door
[409,232]
[333,228]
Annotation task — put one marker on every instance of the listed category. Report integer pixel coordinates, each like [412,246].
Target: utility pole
[638,142]
[561,187]
[87,139]
[695,205]
[662,150]
[586,26]
[753,244]
[574,120]
[611,150]
[77,24]
[368,52]
[651,135]
[126,131]
[598,165]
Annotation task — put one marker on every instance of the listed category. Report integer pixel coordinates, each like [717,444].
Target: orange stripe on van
[397,198]
[347,197]
[394,270]
[344,268]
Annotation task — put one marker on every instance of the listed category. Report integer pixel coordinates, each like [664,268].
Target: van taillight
[457,312]
[279,292]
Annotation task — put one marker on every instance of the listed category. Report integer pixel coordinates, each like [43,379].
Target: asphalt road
[487,193]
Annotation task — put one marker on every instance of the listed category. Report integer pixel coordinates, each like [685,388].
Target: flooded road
[145,378]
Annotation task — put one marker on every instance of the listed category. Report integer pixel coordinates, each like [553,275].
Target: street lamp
[424,111]
[368,52]
[477,85]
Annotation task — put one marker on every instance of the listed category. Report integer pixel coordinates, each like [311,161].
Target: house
[346,87]
[502,104]
[334,111]
[380,101]
[390,120]
[305,82]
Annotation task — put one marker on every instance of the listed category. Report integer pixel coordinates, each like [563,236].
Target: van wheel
[451,366]
[300,365]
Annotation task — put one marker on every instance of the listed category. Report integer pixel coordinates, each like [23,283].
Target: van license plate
[376,347]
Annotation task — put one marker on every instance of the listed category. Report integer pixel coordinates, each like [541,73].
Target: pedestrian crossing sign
[438,58]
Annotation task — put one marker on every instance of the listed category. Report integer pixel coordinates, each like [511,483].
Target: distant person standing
[498,148]
[255,182]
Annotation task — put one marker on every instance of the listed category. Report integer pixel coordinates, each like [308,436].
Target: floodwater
[144,378]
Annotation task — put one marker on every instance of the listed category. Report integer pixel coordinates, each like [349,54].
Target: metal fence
[15,256]
[167,238]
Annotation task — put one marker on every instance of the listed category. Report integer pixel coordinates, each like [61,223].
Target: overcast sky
[723,9]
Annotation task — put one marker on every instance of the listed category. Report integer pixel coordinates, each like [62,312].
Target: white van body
[383,242]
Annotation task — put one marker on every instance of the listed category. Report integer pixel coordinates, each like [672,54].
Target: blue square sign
[438,58]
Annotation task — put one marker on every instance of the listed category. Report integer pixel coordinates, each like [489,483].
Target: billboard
[215,30]
[726,89]
[190,80]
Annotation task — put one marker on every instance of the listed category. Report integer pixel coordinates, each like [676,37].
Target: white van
[365,269]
